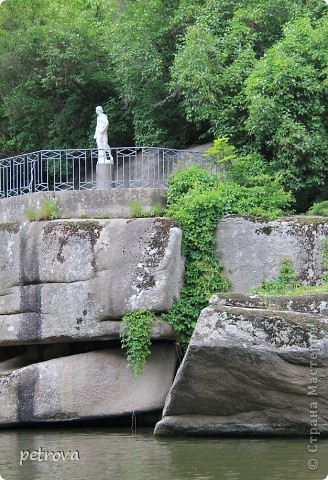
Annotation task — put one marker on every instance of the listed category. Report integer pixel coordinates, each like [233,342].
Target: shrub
[320,208]
[203,277]
[183,181]
[30,214]
[220,152]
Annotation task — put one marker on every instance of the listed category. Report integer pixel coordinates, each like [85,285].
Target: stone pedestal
[104,176]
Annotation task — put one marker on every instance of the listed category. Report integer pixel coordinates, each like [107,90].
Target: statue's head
[99,110]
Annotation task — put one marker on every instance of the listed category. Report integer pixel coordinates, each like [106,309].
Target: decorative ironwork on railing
[75,169]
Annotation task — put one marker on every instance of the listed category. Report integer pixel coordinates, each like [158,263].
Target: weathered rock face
[251,371]
[91,385]
[251,249]
[64,287]
[71,280]
[317,303]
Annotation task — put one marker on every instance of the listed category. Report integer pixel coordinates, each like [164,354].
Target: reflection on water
[120,455]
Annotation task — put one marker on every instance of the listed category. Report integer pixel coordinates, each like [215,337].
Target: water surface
[108,454]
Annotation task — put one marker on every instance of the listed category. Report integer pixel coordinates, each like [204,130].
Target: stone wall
[113,203]
[251,249]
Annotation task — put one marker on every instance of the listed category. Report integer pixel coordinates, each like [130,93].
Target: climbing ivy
[197,200]
[135,338]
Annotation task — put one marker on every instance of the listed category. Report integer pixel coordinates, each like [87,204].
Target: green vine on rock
[197,200]
[135,338]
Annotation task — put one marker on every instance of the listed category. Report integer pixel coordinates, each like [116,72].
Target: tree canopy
[171,73]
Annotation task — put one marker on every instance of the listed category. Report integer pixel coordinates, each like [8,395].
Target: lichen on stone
[10,227]
[84,229]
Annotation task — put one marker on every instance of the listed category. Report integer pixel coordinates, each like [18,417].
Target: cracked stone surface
[70,280]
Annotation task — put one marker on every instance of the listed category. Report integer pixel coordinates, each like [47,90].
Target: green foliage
[171,73]
[183,181]
[157,209]
[194,73]
[142,36]
[51,73]
[218,53]
[284,283]
[153,65]
[47,211]
[308,289]
[136,210]
[320,208]
[30,214]
[250,170]
[221,151]
[135,338]
[203,277]
[197,200]
[287,96]
[325,261]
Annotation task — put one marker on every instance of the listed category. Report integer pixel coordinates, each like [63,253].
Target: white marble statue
[104,151]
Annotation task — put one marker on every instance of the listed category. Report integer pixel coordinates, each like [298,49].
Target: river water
[108,454]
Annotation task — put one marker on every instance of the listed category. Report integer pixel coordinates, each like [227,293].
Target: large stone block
[89,385]
[68,279]
[251,249]
[252,371]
